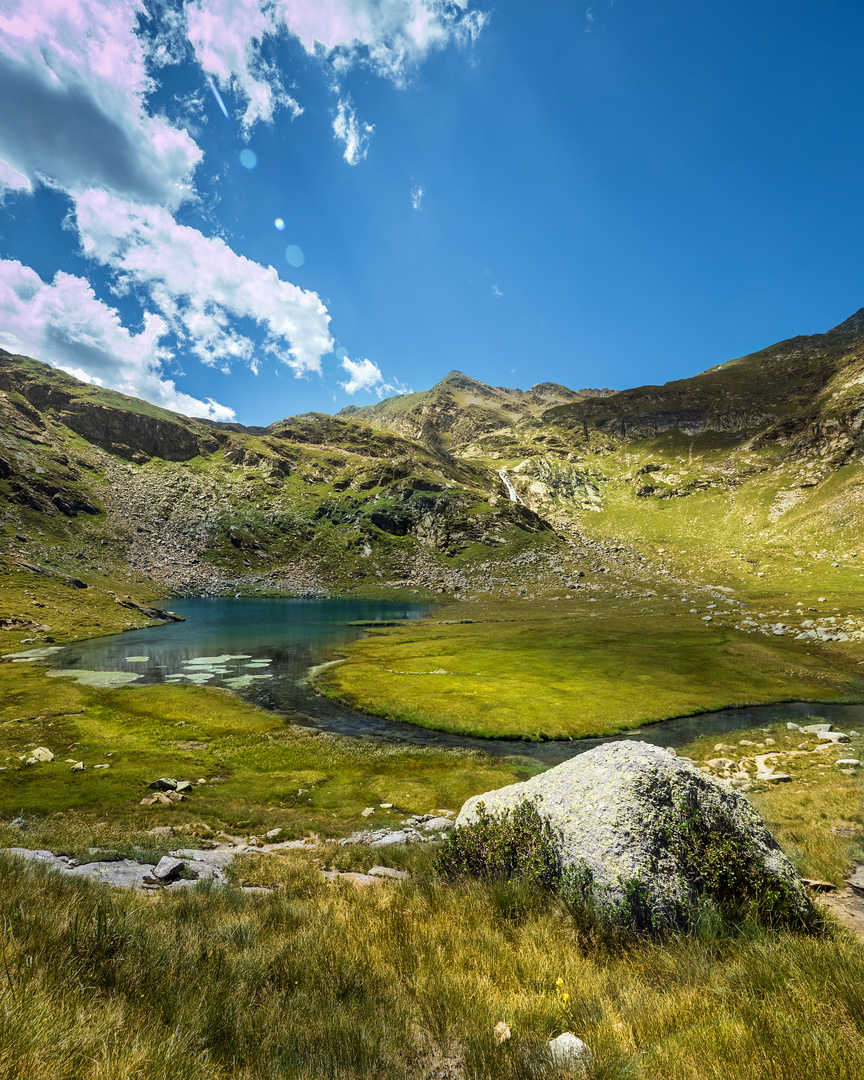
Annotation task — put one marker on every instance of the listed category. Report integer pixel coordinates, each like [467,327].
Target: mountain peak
[854,324]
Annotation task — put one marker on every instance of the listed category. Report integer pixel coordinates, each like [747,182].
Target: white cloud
[73,82]
[354,135]
[496,292]
[364,375]
[65,325]
[199,284]
[391,36]
[417,194]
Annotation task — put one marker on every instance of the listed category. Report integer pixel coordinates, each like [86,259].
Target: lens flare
[294,255]
[219,100]
[279,223]
[341,354]
[248,159]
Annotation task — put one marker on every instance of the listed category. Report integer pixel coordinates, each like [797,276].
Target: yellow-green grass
[818,815]
[259,761]
[69,613]
[562,672]
[399,981]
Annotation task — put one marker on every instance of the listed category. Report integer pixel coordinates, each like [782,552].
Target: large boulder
[647,836]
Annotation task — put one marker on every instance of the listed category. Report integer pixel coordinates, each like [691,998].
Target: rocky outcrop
[644,830]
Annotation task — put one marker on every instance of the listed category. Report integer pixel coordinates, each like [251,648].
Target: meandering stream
[263,650]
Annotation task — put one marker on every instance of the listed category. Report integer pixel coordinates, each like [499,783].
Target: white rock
[848,761]
[612,810]
[568,1050]
[79,766]
[167,869]
[792,727]
[814,729]
[41,753]
[833,736]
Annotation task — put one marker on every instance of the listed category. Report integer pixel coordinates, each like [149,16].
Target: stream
[263,648]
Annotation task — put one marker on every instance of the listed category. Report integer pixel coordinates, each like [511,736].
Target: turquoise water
[259,647]
[263,649]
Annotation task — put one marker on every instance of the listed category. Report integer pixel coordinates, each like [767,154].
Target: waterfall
[511,491]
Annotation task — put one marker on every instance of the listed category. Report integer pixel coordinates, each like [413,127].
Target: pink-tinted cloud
[392,36]
[65,325]
[73,83]
[200,285]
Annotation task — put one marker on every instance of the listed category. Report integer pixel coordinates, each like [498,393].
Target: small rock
[857,880]
[164,783]
[368,812]
[501,1031]
[158,798]
[819,886]
[438,824]
[773,777]
[567,1050]
[746,742]
[273,833]
[183,785]
[792,727]
[403,837]
[19,823]
[814,729]
[854,735]
[79,766]
[388,872]
[167,869]
[200,781]
[41,753]
[177,796]
[833,736]
[386,805]
[721,763]
[163,831]
[849,761]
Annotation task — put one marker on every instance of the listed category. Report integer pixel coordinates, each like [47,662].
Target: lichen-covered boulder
[648,836]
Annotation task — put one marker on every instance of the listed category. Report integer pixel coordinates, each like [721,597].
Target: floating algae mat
[108,679]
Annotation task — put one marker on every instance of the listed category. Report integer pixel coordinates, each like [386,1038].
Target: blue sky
[603,194]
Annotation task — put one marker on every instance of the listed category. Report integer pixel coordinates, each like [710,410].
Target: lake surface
[263,649]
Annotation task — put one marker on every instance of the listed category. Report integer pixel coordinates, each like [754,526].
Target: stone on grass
[158,798]
[79,766]
[167,869]
[848,761]
[388,872]
[569,1051]
[163,831]
[857,880]
[833,736]
[183,785]
[620,815]
[164,783]
[721,763]
[41,753]
[177,796]
[792,727]
[438,824]
[773,777]
[814,729]
[368,812]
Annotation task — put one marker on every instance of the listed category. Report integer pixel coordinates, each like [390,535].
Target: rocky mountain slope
[757,459]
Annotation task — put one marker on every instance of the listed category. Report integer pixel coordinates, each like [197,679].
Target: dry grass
[398,981]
